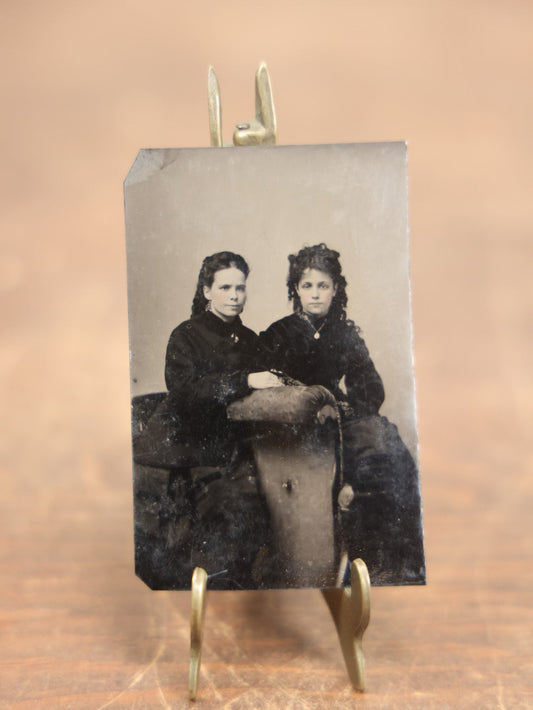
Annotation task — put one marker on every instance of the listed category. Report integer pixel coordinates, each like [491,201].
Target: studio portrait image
[273,401]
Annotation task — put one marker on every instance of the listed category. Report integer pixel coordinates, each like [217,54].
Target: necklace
[306,318]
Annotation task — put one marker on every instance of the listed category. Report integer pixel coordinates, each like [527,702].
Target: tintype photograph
[273,411]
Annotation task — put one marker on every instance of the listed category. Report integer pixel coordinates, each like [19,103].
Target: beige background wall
[84,86]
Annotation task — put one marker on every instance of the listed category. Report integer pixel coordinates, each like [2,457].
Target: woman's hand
[263,380]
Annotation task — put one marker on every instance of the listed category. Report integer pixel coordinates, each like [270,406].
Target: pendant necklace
[306,318]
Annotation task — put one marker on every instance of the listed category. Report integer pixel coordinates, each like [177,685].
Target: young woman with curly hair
[376,496]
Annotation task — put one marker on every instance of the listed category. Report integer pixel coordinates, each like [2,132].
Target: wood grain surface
[84,86]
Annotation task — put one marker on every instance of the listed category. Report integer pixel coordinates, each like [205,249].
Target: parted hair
[321,258]
[210,265]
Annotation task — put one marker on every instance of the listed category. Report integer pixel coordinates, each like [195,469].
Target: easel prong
[198,596]
[350,609]
[260,130]
[214,109]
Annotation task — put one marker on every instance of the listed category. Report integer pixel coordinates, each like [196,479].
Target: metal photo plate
[273,410]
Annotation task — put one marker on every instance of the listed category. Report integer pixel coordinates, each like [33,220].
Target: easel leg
[350,609]
[198,596]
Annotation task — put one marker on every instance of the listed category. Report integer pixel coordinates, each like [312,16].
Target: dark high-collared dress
[338,352]
[208,512]
[207,366]
[381,523]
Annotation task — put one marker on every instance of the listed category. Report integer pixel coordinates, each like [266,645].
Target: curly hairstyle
[210,265]
[321,258]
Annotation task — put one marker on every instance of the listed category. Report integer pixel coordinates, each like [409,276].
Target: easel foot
[198,595]
[350,609]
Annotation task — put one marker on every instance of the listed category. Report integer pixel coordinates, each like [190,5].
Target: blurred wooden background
[84,86]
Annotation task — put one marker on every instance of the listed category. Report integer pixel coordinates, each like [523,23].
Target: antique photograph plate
[272,461]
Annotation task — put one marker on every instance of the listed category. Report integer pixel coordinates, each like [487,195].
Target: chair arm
[285,405]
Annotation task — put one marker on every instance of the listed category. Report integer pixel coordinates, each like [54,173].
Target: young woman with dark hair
[209,360]
[376,493]
[209,364]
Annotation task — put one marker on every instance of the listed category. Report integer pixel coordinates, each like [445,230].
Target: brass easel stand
[349,606]
[198,589]
[350,609]
[260,130]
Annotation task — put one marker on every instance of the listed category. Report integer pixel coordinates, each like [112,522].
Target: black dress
[215,516]
[381,522]
[207,366]
[291,347]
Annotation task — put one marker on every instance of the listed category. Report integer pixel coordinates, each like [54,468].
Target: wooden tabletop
[85,85]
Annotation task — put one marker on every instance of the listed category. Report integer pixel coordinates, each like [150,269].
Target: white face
[227,293]
[316,290]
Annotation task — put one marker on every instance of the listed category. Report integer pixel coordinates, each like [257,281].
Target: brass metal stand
[260,130]
[198,597]
[350,609]
[349,606]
